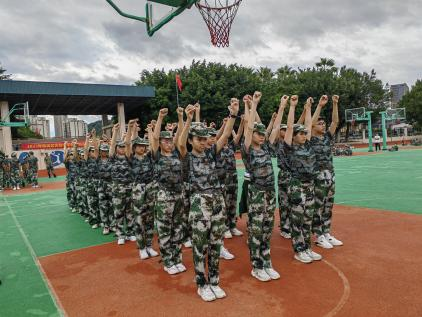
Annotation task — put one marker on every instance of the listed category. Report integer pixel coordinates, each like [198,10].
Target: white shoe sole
[303,261]
[258,278]
[323,246]
[207,299]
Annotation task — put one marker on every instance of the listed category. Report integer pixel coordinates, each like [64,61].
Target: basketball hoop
[219,16]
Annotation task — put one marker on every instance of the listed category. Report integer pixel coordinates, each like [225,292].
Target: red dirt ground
[376,273]
[43,187]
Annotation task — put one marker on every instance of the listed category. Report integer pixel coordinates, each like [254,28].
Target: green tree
[412,101]
[3,75]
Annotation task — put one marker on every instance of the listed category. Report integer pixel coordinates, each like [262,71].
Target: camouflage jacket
[322,147]
[14,164]
[47,161]
[203,175]
[143,169]
[83,169]
[104,169]
[302,161]
[121,170]
[33,163]
[260,167]
[92,166]
[279,151]
[72,168]
[168,171]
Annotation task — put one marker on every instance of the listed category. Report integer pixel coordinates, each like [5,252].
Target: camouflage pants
[1,178]
[50,171]
[81,196]
[122,206]
[33,176]
[7,179]
[324,201]
[168,214]
[208,225]
[105,203]
[92,200]
[187,226]
[230,199]
[261,204]
[301,201]
[283,200]
[143,197]
[15,179]
[71,192]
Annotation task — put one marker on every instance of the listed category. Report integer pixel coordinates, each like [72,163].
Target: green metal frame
[368,119]
[181,6]
[17,107]
[386,117]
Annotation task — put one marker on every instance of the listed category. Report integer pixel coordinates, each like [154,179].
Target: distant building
[398,91]
[40,125]
[74,128]
[58,126]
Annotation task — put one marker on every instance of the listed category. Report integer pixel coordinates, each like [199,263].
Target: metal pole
[368,118]
[384,131]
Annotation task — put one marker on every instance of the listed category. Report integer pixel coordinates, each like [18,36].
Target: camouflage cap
[199,130]
[81,152]
[120,143]
[91,148]
[212,131]
[283,126]
[166,135]
[104,147]
[13,154]
[260,128]
[140,141]
[299,128]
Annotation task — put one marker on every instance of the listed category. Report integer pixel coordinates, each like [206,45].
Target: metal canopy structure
[52,98]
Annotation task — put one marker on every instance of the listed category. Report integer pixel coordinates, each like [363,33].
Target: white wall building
[40,125]
[74,128]
[58,126]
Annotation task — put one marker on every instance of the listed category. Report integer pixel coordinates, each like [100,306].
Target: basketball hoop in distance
[219,16]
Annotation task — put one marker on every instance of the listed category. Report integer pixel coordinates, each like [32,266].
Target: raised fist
[234,106]
[163,112]
[323,100]
[335,98]
[116,127]
[257,96]
[294,100]
[179,110]
[310,100]
[283,100]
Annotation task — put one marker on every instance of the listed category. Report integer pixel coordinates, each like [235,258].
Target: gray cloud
[88,41]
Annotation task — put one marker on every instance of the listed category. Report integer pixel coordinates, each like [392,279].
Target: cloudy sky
[87,41]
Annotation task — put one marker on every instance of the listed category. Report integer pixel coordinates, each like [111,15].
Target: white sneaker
[333,241]
[313,255]
[86,220]
[73,209]
[36,186]
[180,267]
[218,291]
[106,231]
[14,188]
[17,187]
[171,270]
[121,241]
[188,244]
[285,235]
[228,235]
[94,226]
[206,293]
[303,257]
[143,254]
[260,275]
[225,254]
[272,273]
[236,232]
[152,253]
[323,243]
[132,238]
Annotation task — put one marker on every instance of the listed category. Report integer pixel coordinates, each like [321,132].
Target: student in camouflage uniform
[121,175]
[207,215]
[322,143]
[81,185]
[6,169]
[104,188]
[261,195]
[49,165]
[143,191]
[2,158]
[33,169]
[169,201]
[72,169]
[92,184]
[15,170]
[276,140]
[302,161]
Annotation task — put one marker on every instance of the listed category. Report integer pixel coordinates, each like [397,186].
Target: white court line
[53,295]
[346,290]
